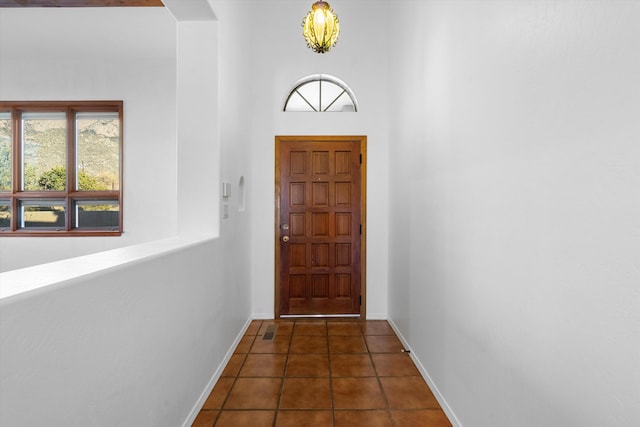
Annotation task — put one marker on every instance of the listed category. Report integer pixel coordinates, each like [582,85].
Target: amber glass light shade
[320,27]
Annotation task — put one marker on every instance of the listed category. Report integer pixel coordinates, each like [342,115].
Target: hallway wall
[514,239]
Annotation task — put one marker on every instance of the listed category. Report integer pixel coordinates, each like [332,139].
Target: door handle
[285,239]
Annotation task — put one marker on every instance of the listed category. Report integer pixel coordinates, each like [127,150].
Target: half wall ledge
[25,282]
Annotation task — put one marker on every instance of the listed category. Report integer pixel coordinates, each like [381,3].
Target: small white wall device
[226,189]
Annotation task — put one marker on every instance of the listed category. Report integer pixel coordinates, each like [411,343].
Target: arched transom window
[320,93]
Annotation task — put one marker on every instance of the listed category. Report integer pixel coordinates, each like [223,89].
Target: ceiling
[79,3]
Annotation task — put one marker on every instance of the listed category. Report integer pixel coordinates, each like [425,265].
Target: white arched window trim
[307,95]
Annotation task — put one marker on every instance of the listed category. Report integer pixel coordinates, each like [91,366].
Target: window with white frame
[321,93]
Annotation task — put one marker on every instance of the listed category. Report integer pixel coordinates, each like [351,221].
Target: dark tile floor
[317,373]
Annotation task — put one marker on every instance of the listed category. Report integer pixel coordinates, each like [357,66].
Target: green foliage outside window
[55,180]
[5,167]
[5,154]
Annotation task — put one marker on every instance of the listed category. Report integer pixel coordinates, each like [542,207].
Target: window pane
[323,92]
[97,214]
[343,103]
[98,143]
[311,92]
[5,214]
[42,214]
[297,103]
[5,151]
[330,91]
[43,151]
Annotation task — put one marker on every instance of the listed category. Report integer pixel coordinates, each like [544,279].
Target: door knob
[285,239]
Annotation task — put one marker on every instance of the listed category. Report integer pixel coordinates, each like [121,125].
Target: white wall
[280,57]
[133,345]
[76,53]
[514,235]
[235,126]
[198,127]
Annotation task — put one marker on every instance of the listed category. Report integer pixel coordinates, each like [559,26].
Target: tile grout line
[284,372]
[384,394]
[237,375]
[333,403]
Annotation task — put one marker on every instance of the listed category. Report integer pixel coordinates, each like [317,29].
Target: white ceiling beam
[190,10]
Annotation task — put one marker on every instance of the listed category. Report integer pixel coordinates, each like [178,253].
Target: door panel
[319,213]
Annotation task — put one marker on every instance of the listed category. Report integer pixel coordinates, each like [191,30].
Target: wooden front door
[319,239]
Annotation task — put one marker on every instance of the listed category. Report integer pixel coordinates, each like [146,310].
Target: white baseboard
[216,376]
[439,397]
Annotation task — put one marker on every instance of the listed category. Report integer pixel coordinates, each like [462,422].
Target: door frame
[362,139]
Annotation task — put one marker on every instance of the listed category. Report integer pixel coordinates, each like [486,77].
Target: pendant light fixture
[320,27]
